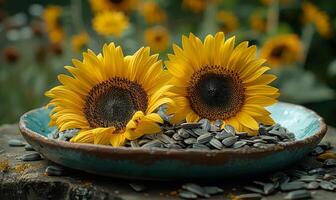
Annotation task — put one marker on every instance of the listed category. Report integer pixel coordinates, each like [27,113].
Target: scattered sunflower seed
[239,144]
[298,194]
[28,147]
[191,125]
[229,141]
[269,188]
[54,170]
[254,189]
[196,189]
[200,132]
[190,141]
[251,196]
[135,143]
[218,123]
[330,163]
[200,146]
[31,157]
[222,135]
[182,133]
[16,143]
[187,195]
[312,185]
[212,190]
[229,129]
[294,185]
[327,185]
[137,187]
[205,124]
[153,143]
[216,143]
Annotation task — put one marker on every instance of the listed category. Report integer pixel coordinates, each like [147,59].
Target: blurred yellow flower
[110,23]
[312,14]
[153,13]
[119,5]
[258,22]
[283,2]
[79,41]
[195,6]
[228,21]
[157,38]
[51,17]
[282,50]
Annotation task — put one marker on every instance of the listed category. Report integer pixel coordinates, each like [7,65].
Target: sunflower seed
[200,132]
[269,138]
[251,196]
[312,185]
[212,190]
[327,185]
[190,141]
[31,157]
[259,141]
[137,187]
[53,135]
[191,125]
[254,189]
[169,132]
[218,122]
[317,171]
[165,139]
[187,195]
[68,134]
[173,146]
[16,143]
[181,132]
[205,124]
[229,141]
[214,128]
[329,163]
[28,147]
[200,146]
[295,185]
[177,137]
[222,135]
[191,133]
[229,129]
[238,144]
[54,170]
[269,188]
[153,143]
[298,194]
[259,183]
[242,134]
[216,143]
[260,145]
[262,131]
[196,189]
[135,143]
[143,141]
[204,138]
[308,178]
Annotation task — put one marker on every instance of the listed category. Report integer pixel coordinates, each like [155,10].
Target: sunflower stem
[307,37]
[76,12]
[273,17]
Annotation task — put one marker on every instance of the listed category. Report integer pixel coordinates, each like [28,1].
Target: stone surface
[27,180]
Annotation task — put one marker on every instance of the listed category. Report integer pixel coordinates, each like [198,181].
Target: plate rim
[106,149]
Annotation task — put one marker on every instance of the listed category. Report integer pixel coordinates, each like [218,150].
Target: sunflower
[79,41]
[157,38]
[282,50]
[153,13]
[228,21]
[215,80]
[312,14]
[258,22]
[195,6]
[110,23]
[52,19]
[119,5]
[110,98]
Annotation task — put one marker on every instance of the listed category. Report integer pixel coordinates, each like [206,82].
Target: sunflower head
[52,19]
[282,50]
[110,23]
[152,12]
[320,19]
[228,21]
[109,97]
[157,38]
[216,80]
[79,41]
[118,5]
[258,22]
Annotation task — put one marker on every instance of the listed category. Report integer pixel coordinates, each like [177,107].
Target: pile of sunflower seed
[203,135]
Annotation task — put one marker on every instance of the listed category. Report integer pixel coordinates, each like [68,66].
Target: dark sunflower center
[278,51]
[116,1]
[216,93]
[158,38]
[113,102]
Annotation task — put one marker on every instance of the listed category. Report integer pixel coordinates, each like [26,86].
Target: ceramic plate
[168,164]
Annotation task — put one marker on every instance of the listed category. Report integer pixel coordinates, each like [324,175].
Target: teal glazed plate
[169,164]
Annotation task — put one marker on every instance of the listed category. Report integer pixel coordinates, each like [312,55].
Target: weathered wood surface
[27,180]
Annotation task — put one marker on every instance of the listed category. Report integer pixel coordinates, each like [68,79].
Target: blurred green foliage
[23,82]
